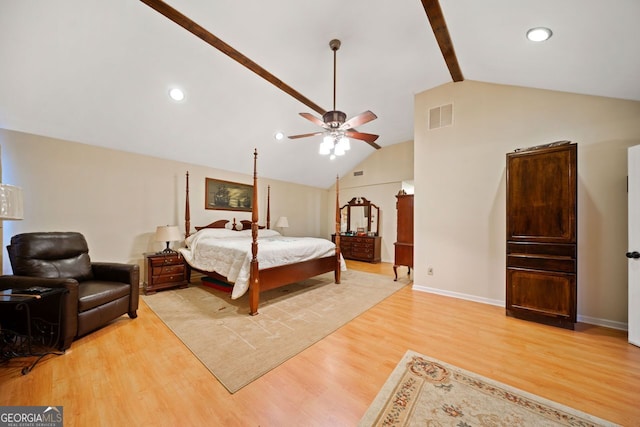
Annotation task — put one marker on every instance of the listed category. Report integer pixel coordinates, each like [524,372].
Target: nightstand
[164,270]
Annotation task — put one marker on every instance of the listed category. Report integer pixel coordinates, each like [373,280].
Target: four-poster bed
[285,260]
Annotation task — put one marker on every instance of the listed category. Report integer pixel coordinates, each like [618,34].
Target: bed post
[187,227]
[338,220]
[268,207]
[254,280]
[187,211]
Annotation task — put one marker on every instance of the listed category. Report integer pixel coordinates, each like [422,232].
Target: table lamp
[167,233]
[282,223]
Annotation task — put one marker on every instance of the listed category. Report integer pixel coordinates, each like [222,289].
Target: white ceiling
[98,72]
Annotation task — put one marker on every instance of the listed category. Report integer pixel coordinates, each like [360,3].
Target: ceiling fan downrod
[334,45]
[334,118]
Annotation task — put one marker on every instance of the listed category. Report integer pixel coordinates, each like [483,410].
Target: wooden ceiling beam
[440,30]
[199,31]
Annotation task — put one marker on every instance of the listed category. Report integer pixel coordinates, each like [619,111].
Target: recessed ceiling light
[279,136]
[539,34]
[176,94]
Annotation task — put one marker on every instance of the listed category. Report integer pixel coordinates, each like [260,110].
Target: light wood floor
[136,372]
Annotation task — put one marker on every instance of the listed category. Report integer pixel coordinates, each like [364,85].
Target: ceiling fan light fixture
[328,141]
[338,150]
[345,143]
[324,149]
[539,34]
[279,136]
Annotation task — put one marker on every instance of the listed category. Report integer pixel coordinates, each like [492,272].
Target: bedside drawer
[166,260]
[168,278]
[167,270]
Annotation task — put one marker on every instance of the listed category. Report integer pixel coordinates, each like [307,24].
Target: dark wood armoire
[542,234]
[404,241]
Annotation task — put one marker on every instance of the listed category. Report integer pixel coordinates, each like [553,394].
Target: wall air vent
[441,116]
[358,173]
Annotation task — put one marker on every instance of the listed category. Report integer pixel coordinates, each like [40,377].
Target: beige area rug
[238,348]
[422,391]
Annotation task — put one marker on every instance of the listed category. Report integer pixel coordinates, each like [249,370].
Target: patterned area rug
[238,348]
[426,392]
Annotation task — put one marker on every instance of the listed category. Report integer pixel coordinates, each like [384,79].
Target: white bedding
[228,253]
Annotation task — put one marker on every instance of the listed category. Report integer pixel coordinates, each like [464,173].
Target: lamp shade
[168,233]
[282,222]
[11,206]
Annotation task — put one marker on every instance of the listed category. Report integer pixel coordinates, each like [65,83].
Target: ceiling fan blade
[366,137]
[358,120]
[313,119]
[304,135]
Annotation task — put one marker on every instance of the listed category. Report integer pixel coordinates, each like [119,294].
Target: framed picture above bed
[227,195]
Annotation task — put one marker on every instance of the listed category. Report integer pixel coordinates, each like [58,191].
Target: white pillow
[214,233]
[261,233]
[268,233]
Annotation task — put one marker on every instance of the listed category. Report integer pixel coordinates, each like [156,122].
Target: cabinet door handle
[634,254]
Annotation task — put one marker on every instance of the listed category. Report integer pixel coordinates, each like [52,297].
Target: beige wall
[383,174]
[460,188]
[117,199]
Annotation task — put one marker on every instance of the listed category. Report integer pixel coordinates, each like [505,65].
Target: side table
[30,322]
[164,270]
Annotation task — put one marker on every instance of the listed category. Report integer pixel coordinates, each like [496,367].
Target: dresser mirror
[360,216]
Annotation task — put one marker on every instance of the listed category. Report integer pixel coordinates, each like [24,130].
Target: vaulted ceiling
[98,72]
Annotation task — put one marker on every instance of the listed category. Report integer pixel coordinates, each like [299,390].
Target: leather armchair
[98,292]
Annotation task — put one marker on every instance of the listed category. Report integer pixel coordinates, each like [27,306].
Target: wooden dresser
[403,247]
[360,248]
[360,230]
[542,234]
[164,270]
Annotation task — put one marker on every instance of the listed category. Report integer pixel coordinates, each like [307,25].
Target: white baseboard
[459,295]
[500,303]
[612,324]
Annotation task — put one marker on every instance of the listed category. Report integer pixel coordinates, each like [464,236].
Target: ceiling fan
[337,129]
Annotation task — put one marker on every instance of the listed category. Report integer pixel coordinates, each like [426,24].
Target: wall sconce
[168,233]
[282,223]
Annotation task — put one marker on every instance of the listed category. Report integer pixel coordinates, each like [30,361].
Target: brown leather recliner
[98,292]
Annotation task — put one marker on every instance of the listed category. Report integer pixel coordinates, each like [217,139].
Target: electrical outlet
[430,271]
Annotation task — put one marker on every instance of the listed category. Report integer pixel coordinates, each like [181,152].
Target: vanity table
[360,227]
